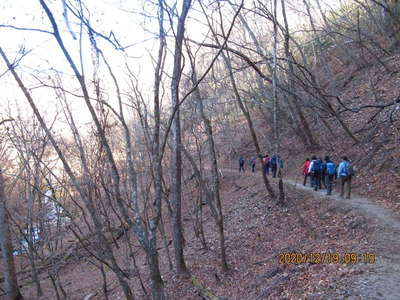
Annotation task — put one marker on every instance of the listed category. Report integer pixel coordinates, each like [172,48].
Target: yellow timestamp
[326,258]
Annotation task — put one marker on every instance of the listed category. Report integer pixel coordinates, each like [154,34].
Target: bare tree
[213,195]
[239,99]
[176,158]
[10,277]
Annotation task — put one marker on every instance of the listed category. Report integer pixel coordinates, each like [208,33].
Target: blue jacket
[274,160]
[311,167]
[327,169]
[342,170]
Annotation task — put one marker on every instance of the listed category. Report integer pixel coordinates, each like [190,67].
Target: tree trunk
[105,250]
[10,276]
[249,123]
[244,110]
[281,198]
[303,121]
[176,157]
[214,170]
[157,284]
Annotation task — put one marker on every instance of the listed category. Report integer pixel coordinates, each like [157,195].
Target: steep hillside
[257,231]
[376,156]
[121,130]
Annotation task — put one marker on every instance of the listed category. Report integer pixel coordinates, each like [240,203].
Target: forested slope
[121,131]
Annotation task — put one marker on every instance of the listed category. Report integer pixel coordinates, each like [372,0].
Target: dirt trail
[382,279]
[376,281]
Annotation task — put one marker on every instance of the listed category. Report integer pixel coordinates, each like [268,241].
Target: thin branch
[25,28]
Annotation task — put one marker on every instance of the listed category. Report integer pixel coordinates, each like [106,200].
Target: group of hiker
[324,172]
[268,164]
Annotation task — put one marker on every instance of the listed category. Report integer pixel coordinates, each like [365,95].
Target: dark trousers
[253,167]
[241,167]
[318,179]
[346,180]
[323,179]
[305,179]
[266,169]
[328,183]
[315,180]
[274,169]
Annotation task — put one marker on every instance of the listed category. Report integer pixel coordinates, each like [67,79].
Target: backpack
[264,161]
[315,166]
[322,167]
[273,160]
[280,163]
[348,168]
[330,168]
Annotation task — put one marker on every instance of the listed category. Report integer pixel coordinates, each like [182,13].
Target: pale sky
[45,54]
[126,19]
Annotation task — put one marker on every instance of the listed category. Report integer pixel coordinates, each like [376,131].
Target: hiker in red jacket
[306,173]
[265,164]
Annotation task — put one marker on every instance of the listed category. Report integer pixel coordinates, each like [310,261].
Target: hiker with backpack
[274,165]
[266,164]
[253,163]
[280,162]
[322,172]
[306,173]
[345,173]
[329,174]
[241,164]
[275,160]
[314,172]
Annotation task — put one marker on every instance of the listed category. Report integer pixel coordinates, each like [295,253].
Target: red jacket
[306,166]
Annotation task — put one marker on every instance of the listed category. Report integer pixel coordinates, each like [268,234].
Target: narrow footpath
[380,280]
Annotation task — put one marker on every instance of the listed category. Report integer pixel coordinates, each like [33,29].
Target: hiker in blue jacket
[345,173]
[275,160]
[274,165]
[329,174]
[322,169]
[253,163]
[320,172]
[241,164]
